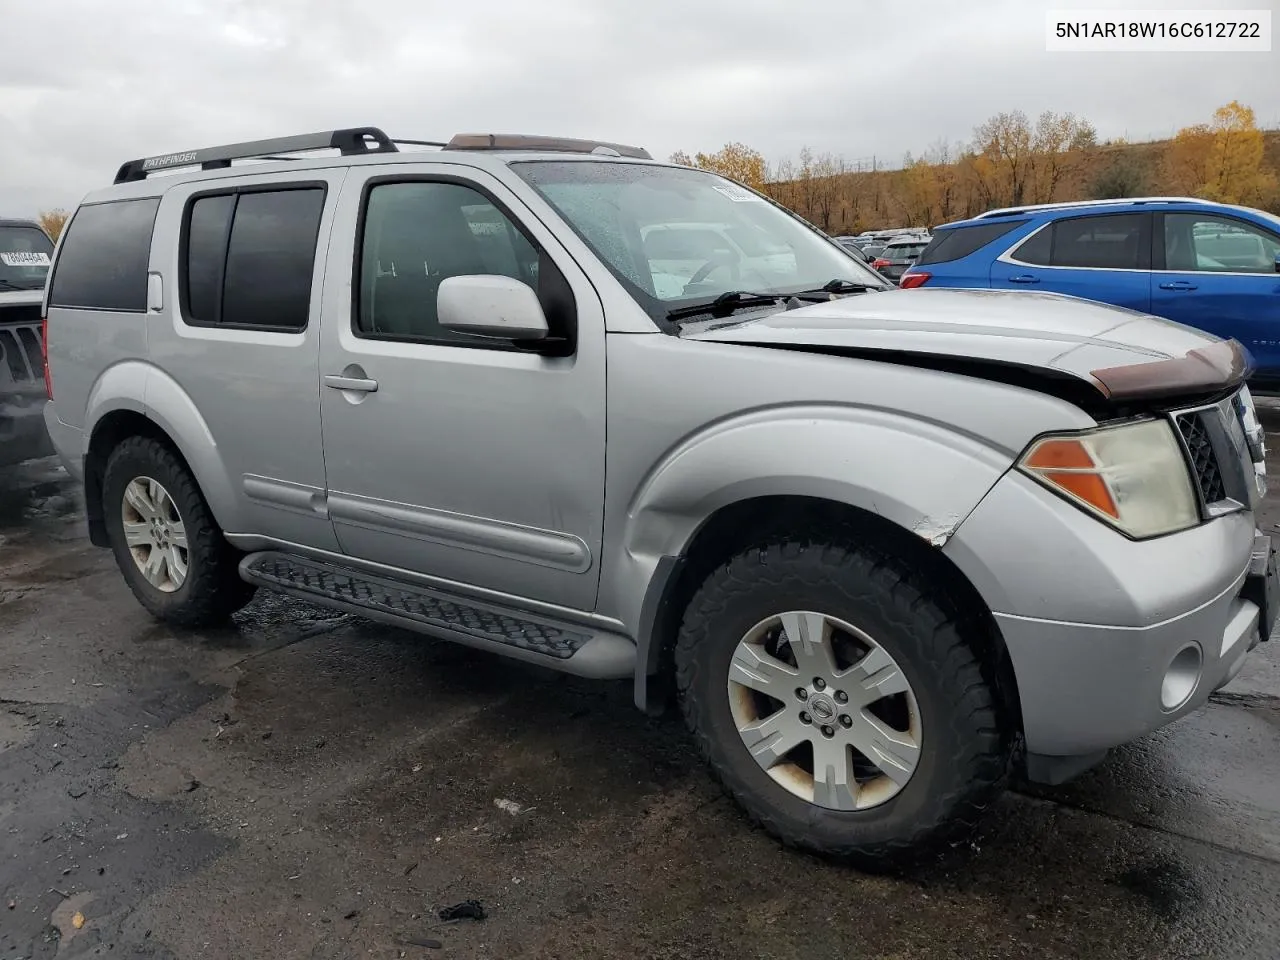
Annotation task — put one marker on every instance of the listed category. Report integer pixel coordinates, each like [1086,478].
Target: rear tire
[914,751]
[165,540]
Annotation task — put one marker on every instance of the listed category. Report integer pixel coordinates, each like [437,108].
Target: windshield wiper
[726,303]
[848,286]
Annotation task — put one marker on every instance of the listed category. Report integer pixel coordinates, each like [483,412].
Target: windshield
[676,237]
[24,257]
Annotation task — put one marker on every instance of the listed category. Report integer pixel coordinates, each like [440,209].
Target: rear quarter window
[103,261]
[958,242]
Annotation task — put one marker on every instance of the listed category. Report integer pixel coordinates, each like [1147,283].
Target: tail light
[910,280]
[44,355]
[879,262]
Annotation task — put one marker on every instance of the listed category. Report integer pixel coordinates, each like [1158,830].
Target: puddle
[1165,884]
[35,492]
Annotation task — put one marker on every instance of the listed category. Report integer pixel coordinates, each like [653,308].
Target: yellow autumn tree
[1004,142]
[920,191]
[53,221]
[736,161]
[1223,160]
[1235,158]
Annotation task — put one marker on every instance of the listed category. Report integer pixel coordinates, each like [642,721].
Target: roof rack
[1069,204]
[360,140]
[511,141]
[355,140]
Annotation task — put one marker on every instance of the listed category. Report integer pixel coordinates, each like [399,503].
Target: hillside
[1013,160]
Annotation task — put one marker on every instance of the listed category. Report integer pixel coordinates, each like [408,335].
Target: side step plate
[567,647]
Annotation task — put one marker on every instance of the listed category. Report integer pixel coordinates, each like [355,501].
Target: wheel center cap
[822,708]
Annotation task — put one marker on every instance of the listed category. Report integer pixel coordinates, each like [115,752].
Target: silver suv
[884,547]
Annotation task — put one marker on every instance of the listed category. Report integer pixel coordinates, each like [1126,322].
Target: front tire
[837,701]
[165,540]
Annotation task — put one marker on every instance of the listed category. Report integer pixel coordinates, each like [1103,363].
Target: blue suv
[1206,265]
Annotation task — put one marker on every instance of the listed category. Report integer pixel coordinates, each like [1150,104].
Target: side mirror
[491,306]
[1278,263]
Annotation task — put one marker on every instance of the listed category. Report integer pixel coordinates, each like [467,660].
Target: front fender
[142,388]
[920,475]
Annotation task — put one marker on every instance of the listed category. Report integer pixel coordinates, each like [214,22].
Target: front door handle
[1178,285]
[1024,278]
[354,384]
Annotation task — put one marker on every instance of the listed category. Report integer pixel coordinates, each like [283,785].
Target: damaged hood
[1119,352]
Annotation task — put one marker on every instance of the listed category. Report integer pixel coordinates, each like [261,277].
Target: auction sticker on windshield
[737,194]
[24,259]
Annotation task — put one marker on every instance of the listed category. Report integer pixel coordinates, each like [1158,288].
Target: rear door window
[249,257]
[103,261]
[1105,242]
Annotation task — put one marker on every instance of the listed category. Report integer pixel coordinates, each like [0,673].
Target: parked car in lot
[451,391]
[855,250]
[25,252]
[873,249]
[897,255]
[1208,265]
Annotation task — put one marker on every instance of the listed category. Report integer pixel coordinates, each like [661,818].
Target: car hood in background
[1120,352]
[21,297]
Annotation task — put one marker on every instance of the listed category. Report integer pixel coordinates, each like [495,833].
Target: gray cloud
[85,85]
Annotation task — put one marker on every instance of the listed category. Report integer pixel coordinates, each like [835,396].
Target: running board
[570,648]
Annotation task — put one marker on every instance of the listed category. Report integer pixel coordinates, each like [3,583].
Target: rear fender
[145,389]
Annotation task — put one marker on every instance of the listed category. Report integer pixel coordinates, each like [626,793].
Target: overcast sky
[87,84]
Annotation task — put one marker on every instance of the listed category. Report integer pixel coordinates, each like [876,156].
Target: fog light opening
[1182,677]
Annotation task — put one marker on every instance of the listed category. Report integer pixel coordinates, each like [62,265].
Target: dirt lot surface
[308,785]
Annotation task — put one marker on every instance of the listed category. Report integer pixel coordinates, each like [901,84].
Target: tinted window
[271,258]
[902,251]
[25,253]
[103,262]
[206,253]
[417,235]
[957,242]
[1207,244]
[1037,248]
[1113,242]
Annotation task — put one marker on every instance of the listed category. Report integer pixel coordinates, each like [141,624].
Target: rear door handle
[355,384]
[1024,278]
[1178,285]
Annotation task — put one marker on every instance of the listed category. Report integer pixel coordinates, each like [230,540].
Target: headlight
[1132,476]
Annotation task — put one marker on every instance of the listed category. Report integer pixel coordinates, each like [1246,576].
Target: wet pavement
[311,785]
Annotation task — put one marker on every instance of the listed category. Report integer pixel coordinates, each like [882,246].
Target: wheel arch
[151,404]
[744,523]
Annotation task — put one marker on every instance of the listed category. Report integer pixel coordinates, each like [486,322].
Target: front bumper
[22,430]
[1094,622]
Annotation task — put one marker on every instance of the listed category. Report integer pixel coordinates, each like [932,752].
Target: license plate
[23,259]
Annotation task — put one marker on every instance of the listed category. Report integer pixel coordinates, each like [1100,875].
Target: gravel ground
[308,785]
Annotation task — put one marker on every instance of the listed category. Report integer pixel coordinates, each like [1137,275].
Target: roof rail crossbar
[354,140]
[509,141]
